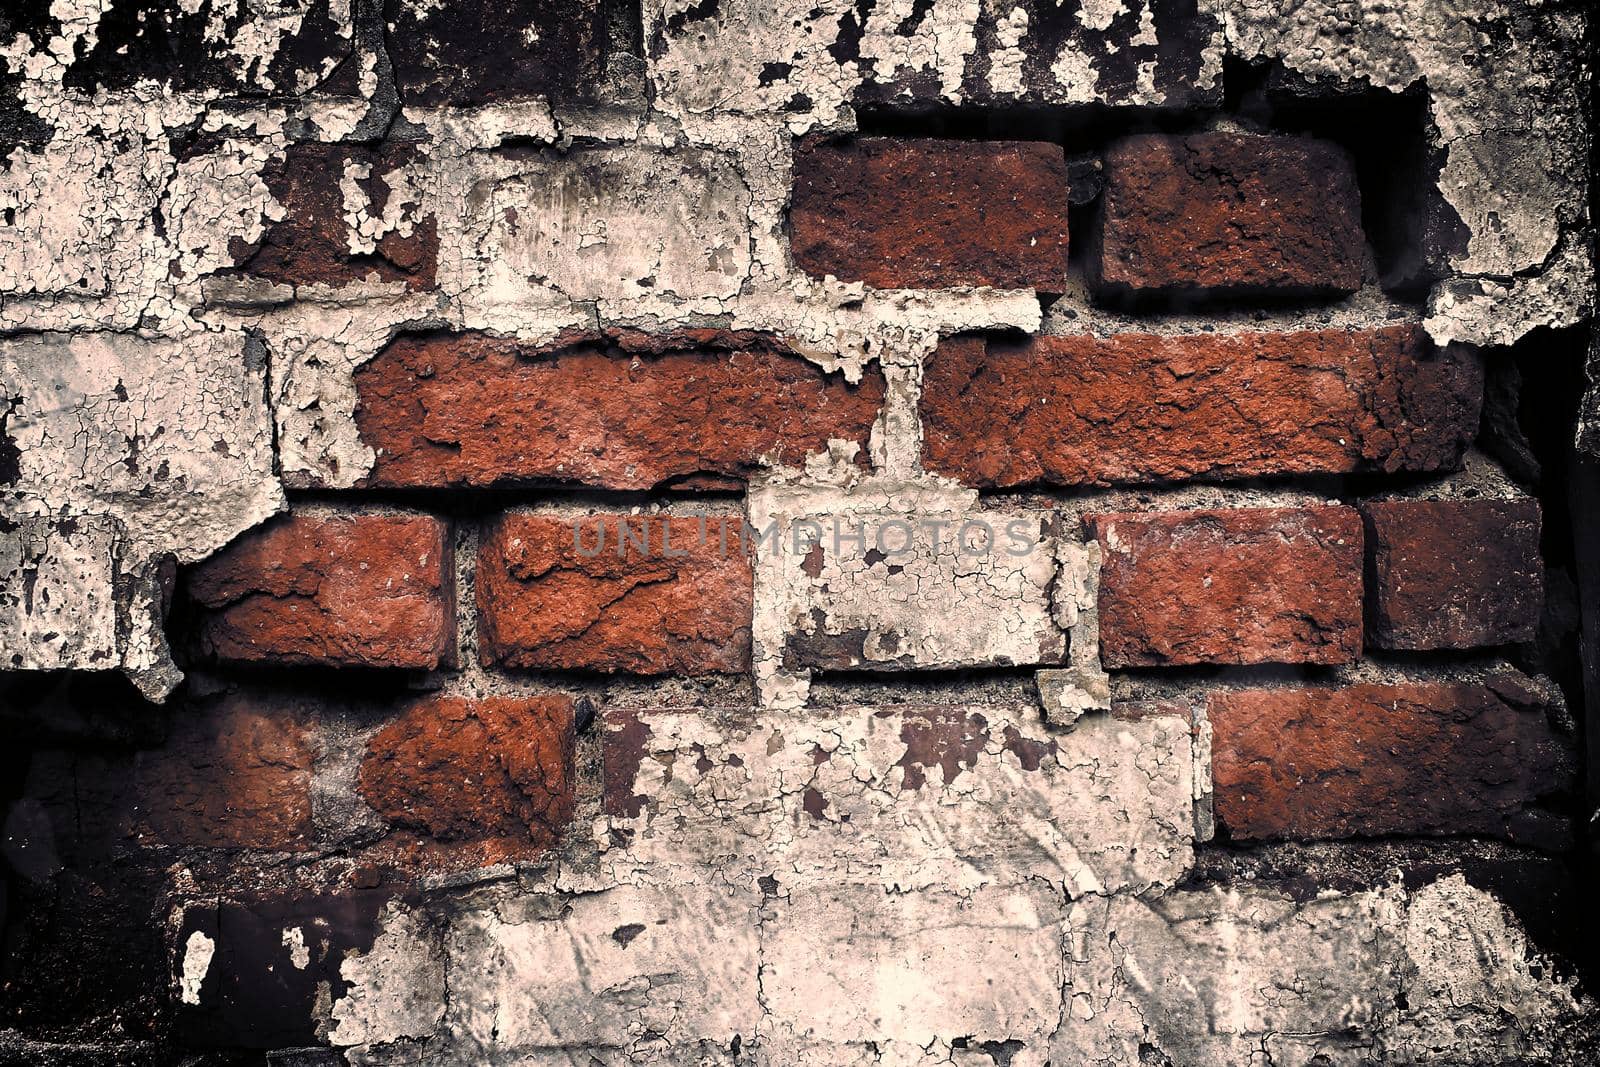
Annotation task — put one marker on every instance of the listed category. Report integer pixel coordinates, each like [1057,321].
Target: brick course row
[661,595]
[1202,214]
[707,409]
[1294,762]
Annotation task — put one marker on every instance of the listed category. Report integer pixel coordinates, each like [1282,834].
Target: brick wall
[771,534]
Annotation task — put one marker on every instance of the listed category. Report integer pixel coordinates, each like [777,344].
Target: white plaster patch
[955,797]
[910,973]
[197,954]
[397,988]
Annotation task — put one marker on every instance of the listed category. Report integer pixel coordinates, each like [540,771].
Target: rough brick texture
[623,412]
[313,243]
[645,594]
[1236,585]
[1085,410]
[457,769]
[339,590]
[1405,758]
[926,214]
[302,299]
[233,775]
[468,54]
[1228,211]
[1453,573]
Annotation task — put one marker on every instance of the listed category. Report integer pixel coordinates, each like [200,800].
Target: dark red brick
[555,597]
[340,590]
[1230,585]
[929,214]
[1453,573]
[1085,410]
[455,769]
[1229,212]
[1405,758]
[311,245]
[467,54]
[236,774]
[621,411]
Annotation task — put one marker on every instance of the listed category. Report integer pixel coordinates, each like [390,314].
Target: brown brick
[1231,585]
[456,769]
[1229,212]
[311,244]
[338,590]
[555,597]
[233,775]
[1406,758]
[469,54]
[622,411]
[929,214]
[1084,410]
[1453,573]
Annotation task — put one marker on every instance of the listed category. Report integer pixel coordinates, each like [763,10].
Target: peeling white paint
[197,954]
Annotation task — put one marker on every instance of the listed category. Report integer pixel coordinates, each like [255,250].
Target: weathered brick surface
[440,262]
[815,978]
[269,955]
[183,45]
[1403,758]
[312,244]
[1453,573]
[1085,410]
[236,774]
[342,590]
[627,411]
[646,594]
[916,591]
[927,214]
[470,54]
[456,769]
[1228,211]
[899,796]
[631,964]
[1230,585]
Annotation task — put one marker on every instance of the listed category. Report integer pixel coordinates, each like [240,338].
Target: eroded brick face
[313,243]
[1453,573]
[233,775]
[1245,585]
[624,412]
[365,590]
[1365,760]
[794,533]
[1134,407]
[927,214]
[1223,212]
[641,595]
[474,54]
[456,769]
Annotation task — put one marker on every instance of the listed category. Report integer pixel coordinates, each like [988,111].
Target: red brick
[310,244]
[1405,758]
[1229,212]
[1453,573]
[543,603]
[338,590]
[619,411]
[457,769]
[234,775]
[1084,410]
[929,214]
[1232,585]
